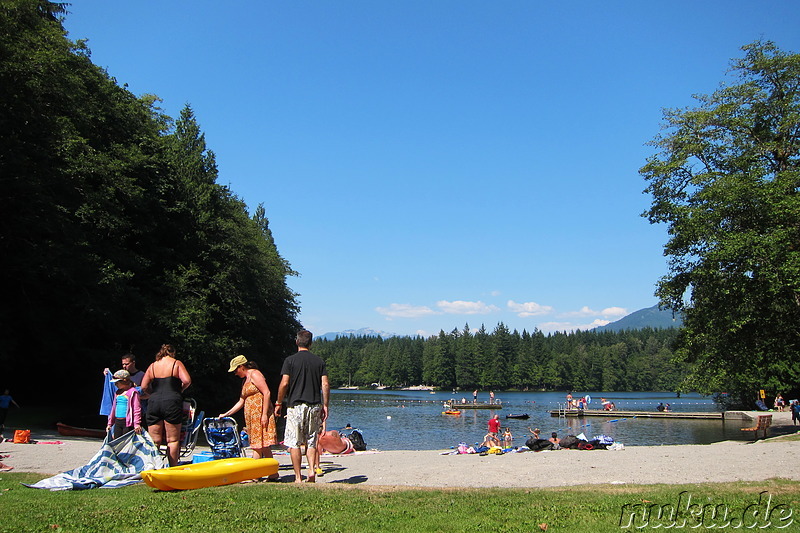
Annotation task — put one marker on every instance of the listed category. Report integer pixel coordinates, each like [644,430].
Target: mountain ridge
[650,317]
[361,332]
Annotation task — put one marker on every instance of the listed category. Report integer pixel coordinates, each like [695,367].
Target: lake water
[413,420]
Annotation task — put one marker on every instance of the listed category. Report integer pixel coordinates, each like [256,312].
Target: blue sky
[430,164]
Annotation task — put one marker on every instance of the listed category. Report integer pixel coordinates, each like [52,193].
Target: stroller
[223,437]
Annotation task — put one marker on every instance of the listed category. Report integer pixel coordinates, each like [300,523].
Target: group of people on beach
[494,439]
[156,397]
[305,390]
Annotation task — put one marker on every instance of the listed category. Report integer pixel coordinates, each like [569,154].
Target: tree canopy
[114,233]
[727,184]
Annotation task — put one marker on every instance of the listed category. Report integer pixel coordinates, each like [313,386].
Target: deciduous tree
[727,184]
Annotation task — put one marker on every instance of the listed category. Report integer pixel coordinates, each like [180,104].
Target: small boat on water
[452,412]
[210,473]
[72,431]
[520,416]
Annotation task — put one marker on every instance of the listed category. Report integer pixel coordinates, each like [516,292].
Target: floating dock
[602,413]
[476,406]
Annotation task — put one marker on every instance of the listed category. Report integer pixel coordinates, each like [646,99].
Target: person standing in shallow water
[494,425]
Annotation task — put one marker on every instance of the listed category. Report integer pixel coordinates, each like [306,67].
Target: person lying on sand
[489,440]
[334,442]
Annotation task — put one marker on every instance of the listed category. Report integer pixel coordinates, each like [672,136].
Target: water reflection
[413,420]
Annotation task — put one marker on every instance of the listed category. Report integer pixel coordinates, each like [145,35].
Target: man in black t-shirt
[305,390]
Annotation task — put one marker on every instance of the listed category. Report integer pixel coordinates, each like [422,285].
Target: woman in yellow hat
[259,417]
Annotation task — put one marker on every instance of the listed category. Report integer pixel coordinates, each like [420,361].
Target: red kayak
[72,431]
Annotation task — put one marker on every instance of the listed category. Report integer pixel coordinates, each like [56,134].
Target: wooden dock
[476,406]
[601,413]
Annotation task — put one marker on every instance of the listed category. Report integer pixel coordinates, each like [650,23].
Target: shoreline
[725,461]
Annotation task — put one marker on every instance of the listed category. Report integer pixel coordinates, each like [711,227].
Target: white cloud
[587,311]
[529,309]
[460,307]
[549,327]
[584,311]
[594,324]
[406,311]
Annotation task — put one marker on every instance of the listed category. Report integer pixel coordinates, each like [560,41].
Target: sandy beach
[719,462]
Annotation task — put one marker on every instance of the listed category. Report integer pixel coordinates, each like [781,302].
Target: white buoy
[388,417]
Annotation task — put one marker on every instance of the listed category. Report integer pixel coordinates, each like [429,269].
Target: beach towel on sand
[118,463]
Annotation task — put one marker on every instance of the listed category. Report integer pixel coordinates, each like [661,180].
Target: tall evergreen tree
[114,234]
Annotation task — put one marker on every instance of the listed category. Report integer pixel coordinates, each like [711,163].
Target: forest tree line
[115,235]
[635,360]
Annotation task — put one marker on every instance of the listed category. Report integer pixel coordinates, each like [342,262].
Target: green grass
[265,507]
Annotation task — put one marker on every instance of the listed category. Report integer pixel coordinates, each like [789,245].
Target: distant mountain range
[652,317]
[363,332]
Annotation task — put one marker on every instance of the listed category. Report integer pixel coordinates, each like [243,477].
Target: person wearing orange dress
[259,413]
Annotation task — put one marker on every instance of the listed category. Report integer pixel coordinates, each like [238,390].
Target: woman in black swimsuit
[165,380]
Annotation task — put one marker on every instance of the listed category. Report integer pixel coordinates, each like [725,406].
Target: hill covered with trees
[634,360]
[114,234]
[650,317]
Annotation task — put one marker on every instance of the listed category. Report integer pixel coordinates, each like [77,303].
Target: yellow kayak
[210,473]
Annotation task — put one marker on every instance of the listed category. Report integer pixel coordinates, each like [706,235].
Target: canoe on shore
[72,431]
[210,473]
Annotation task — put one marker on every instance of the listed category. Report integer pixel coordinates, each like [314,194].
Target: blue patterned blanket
[118,463]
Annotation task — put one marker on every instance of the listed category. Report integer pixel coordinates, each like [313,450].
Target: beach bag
[538,445]
[570,441]
[358,441]
[604,439]
[22,436]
